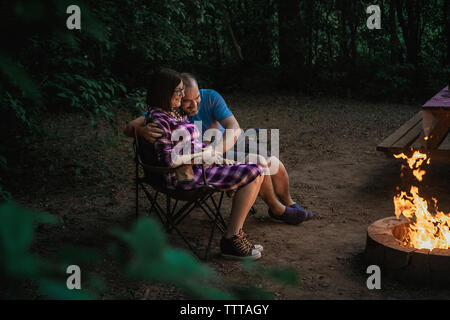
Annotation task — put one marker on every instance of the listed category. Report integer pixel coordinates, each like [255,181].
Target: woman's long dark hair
[161,88]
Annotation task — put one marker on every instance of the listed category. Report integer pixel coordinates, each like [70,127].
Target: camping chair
[170,217]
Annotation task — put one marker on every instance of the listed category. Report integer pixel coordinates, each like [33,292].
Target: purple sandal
[296,205]
[292,215]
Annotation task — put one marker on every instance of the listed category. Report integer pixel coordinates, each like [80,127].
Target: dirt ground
[328,147]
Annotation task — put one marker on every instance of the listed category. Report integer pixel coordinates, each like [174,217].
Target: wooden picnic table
[427,131]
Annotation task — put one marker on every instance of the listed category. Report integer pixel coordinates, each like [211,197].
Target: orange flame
[426,230]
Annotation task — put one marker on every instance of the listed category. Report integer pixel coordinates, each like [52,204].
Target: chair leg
[172,216]
[153,200]
[184,211]
[214,213]
[174,227]
[218,207]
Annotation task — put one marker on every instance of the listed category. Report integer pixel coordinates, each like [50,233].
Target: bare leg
[276,183]
[267,194]
[280,181]
[242,202]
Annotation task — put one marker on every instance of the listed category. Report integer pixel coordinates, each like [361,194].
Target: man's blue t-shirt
[212,108]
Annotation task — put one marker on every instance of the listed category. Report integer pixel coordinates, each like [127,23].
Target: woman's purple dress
[223,177]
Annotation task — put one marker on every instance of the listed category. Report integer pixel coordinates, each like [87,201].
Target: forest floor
[328,147]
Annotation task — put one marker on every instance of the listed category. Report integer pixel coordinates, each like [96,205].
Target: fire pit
[414,246]
[385,248]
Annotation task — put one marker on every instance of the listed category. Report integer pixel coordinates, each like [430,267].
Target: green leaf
[16,229]
[58,290]
[16,236]
[20,78]
[4,195]
[81,255]
[146,239]
[122,87]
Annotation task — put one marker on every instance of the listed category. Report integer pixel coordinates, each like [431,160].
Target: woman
[164,100]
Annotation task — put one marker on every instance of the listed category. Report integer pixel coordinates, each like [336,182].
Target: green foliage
[58,290]
[45,67]
[93,96]
[16,235]
[19,263]
[4,195]
[137,102]
[153,260]
[226,44]
[17,76]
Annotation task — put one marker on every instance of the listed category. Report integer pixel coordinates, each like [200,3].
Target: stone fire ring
[406,264]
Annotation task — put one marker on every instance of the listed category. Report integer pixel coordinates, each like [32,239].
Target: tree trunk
[393,40]
[309,19]
[327,31]
[353,35]
[349,24]
[343,7]
[447,28]
[218,52]
[288,18]
[410,28]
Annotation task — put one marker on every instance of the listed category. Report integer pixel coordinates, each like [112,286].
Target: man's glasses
[180,91]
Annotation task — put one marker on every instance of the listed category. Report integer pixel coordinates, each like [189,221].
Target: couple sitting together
[175,102]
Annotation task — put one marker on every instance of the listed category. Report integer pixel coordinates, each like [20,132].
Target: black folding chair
[150,175]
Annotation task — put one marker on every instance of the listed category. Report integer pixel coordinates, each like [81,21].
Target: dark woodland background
[304,47]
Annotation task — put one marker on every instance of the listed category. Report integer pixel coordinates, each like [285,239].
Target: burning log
[426,230]
[414,246]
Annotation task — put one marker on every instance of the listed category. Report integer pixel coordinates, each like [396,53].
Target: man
[207,108]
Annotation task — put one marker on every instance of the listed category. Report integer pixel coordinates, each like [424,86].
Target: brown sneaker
[238,248]
[255,246]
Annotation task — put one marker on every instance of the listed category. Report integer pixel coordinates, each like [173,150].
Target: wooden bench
[435,139]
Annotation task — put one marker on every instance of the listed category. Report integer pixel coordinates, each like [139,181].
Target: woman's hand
[210,158]
[185,159]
